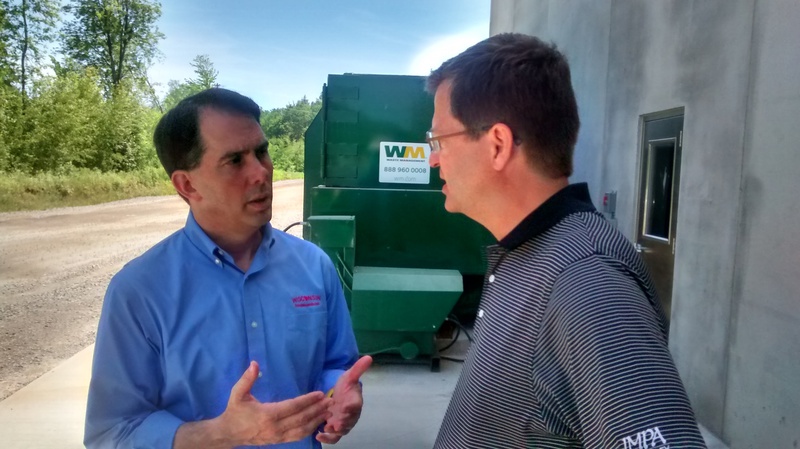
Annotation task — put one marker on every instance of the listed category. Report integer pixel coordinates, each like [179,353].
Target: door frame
[641,193]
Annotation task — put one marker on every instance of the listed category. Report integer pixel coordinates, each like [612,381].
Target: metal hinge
[680,139]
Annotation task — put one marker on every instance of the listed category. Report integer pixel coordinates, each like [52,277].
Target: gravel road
[56,264]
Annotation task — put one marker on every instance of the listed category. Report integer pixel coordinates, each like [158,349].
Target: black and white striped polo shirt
[570,344]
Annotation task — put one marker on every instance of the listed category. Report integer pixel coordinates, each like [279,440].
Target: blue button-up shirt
[181,323]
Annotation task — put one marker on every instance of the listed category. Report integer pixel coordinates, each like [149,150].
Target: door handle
[639,248]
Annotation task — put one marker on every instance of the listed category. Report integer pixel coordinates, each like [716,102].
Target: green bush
[286,154]
[70,143]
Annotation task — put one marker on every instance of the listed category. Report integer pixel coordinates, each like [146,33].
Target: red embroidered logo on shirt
[306,301]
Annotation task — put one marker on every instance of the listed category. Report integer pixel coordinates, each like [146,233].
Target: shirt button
[254,324]
[480,313]
[260,374]
[491,278]
[217,261]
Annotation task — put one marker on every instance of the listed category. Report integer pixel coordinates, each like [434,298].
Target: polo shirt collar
[569,200]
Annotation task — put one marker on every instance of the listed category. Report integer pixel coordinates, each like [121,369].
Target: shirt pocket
[308,335]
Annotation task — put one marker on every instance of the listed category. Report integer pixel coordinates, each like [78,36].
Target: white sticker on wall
[404,163]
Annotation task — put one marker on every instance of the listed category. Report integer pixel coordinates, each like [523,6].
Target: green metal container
[375,206]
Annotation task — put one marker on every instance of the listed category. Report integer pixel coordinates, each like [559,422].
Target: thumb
[242,388]
[358,369]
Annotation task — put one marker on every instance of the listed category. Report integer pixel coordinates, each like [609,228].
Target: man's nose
[433,161]
[260,171]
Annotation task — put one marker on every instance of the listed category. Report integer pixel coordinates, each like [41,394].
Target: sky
[278,51]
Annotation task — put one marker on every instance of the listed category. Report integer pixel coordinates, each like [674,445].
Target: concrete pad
[403,406]
[49,412]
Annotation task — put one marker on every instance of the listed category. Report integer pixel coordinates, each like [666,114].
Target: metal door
[659,176]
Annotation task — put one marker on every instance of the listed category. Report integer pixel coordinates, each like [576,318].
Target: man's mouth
[260,201]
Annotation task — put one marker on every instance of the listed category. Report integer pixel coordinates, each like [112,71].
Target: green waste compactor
[375,206]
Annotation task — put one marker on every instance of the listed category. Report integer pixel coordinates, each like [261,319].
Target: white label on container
[404,163]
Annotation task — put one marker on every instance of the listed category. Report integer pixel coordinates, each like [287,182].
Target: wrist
[211,433]
[220,435]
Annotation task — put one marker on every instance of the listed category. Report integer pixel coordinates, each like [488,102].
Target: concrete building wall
[763,400]
[734,66]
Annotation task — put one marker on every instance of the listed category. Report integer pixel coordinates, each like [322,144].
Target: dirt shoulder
[55,266]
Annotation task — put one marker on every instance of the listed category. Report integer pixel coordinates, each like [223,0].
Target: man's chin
[259,215]
[450,206]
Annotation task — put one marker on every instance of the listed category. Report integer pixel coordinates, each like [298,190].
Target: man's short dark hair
[522,82]
[177,135]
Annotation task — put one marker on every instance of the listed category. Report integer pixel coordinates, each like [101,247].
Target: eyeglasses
[433,141]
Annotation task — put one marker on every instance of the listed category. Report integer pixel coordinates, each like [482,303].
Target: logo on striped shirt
[647,439]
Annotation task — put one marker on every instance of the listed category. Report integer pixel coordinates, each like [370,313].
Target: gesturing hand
[251,422]
[347,403]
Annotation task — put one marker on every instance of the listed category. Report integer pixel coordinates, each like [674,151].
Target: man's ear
[502,140]
[182,181]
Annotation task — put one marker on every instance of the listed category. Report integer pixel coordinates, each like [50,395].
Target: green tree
[61,124]
[25,30]
[205,71]
[118,37]
[5,41]
[10,129]
[290,121]
[122,144]
[206,78]
[287,154]
[177,91]
[285,128]
[70,124]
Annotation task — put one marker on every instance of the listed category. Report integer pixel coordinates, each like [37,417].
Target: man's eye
[236,160]
[261,153]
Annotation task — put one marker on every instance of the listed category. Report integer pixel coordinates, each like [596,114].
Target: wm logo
[404,151]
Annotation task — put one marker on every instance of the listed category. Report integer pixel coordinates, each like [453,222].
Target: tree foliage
[69,124]
[5,67]
[26,27]
[205,78]
[290,121]
[285,128]
[118,37]
[205,71]
[96,110]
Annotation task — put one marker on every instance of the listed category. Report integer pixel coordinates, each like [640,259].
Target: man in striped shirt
[570,347]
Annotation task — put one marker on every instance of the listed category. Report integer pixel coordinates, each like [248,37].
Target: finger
[341,425]
[308,404]
[305,421]
[241,389]
[328,438]
[337,428]
[358,369]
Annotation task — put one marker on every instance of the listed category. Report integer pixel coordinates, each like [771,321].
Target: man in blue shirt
[228,332]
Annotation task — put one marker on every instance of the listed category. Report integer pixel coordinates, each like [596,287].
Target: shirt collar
[572,198]
[203,242]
